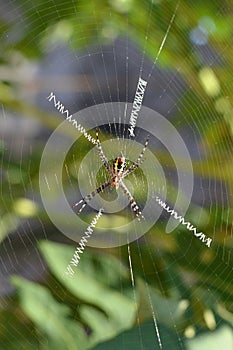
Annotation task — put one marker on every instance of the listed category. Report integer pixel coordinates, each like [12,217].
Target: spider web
[97,84]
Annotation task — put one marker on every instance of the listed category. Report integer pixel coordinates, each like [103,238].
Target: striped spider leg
[138,162]
[99,189]
[89,197]
[132,201]
[117,172]
[102,156]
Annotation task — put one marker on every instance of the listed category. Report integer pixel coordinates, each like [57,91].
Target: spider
[117,173]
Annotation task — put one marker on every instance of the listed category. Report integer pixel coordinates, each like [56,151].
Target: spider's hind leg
[132,201]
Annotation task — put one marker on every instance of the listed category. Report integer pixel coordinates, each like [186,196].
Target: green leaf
[120,309]
[102,326]
[50,316]
[144,337]
[9,222]
[168,310]
[220,339]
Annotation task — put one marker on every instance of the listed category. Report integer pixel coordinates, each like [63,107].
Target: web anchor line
[142,83]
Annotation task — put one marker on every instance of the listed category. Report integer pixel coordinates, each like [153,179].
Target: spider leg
[133,204]
[91,195]
[138,161]
[102,156]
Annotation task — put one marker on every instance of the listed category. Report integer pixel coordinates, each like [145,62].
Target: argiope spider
[117,173]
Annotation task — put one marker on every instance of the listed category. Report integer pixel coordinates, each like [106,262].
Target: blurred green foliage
[194,290]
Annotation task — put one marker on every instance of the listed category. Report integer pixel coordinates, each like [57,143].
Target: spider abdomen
[119,165]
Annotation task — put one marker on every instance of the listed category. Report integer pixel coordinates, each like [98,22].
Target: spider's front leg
[138,161]
[102,156]
[89,197]
[132,201]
